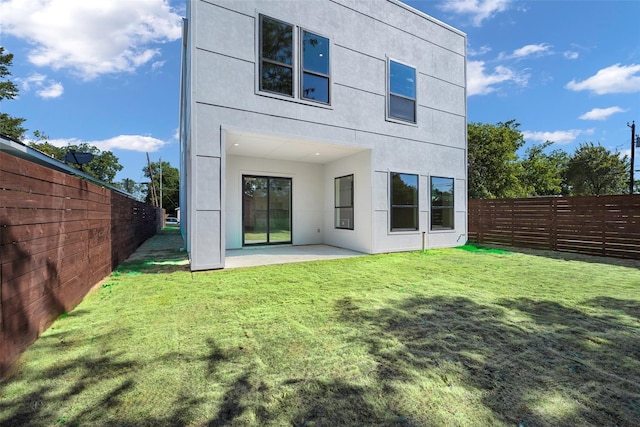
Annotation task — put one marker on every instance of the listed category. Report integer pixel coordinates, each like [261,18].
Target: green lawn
[447,337]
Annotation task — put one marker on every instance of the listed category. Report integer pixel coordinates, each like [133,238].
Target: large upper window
[276,56]
[344,202]
[401,98]
[442,211]
[281,61]
[404,201]
[315,67]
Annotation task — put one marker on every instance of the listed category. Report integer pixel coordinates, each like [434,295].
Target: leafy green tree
[170,184]
[103,167]
[542,174]
[9,125]
[594,170]
[137,190]
[494,169]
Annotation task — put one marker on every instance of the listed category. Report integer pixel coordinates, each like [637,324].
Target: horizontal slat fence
[59,236]
[593,225]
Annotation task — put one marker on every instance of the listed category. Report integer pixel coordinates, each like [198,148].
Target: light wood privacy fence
[59,236]
[594,225]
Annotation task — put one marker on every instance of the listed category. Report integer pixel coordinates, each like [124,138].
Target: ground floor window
[344,202]
[404,201]
[442,209]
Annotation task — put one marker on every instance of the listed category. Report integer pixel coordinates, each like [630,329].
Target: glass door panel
[279,210]
[266,210]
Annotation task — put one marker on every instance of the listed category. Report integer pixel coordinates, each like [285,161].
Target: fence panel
[593,225]
[59,236]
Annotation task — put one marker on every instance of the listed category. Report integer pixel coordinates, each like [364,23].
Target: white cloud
[601,113]
[614,79]
[44,87]
[123,142]
[480,83]
[91,37]
[558,136]
[569,54]
[478,9]
[531,49]
[479,52]
[54,90]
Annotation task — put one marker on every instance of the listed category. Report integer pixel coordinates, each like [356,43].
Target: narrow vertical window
[442,206]
[344,202]
[276,56]
[404,201]
[315,67]
[402,92]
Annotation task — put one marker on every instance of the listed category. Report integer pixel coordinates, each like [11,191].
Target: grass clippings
[447,337]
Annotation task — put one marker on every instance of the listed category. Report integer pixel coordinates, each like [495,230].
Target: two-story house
[338,122]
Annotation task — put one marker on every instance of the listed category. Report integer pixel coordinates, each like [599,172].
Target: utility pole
[633,149]
[154,197]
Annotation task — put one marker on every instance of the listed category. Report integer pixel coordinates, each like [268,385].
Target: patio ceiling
[281,148]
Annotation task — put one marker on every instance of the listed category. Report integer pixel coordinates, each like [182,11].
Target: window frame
[452,207]
[262,59]
[302,70]
[297,66]
[336,207]
[389,116]
[415,207]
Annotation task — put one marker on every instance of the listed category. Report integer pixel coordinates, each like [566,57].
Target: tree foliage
[103,167]
[170,184]
[493,163]
[542,174]
[9,125]
[496,171]
[594,170]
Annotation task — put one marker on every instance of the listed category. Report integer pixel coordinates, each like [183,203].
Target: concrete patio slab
[267,255]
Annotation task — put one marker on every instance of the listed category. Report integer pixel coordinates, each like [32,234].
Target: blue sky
[107,73]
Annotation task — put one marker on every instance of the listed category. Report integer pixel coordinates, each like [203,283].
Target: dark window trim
[296,66]
[392,206]
[268,243]
[442,208]
[262,59]
[390,117]
[315,73]
[351,202]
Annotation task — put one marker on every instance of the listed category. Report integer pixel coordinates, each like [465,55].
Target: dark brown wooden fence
[594,225]
[59,236]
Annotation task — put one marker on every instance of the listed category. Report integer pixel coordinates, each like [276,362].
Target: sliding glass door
[266,210]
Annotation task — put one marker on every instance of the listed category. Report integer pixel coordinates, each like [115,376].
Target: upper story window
[401,99]
[404,201]
[276,56]
[315,67]
[281,61]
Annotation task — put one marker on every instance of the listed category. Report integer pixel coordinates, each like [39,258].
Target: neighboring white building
[337,122]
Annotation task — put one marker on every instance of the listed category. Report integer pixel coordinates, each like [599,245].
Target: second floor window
[281,61]
[401,98]
[276,56]
[315,67]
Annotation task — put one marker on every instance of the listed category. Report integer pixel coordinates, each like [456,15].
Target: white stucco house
[338,122]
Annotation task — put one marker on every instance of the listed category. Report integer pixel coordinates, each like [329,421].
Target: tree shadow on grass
[533,362]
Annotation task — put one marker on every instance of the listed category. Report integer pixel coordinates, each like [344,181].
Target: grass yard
[449,337]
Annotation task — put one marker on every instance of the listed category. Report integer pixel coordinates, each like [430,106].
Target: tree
[103,167]
[137,190]
[9,125]
[170,184]
[542,174]
[493,163]
[594,170]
